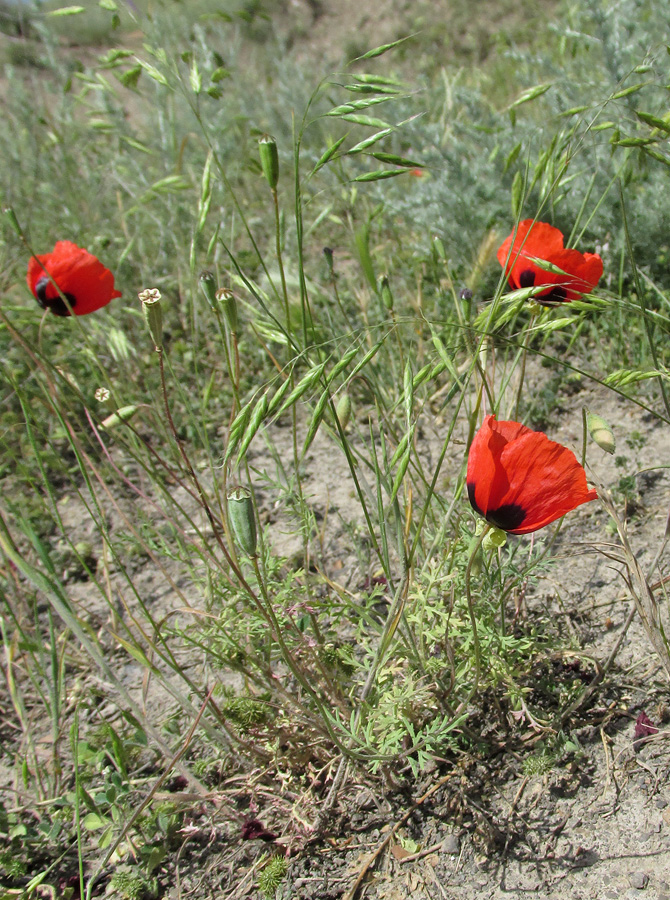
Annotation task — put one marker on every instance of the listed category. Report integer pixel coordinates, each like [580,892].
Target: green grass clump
[271,875]
[132,884]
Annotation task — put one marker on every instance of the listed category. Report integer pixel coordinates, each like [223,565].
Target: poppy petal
[519,480]
[80,276]
[486,479]
[545,480]
[522,253]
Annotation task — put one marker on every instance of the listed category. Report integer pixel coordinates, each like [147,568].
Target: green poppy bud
[121,415]
[227,300]
[208,287]
[385,291]
[343,410]
[494,538]
[328,256]
[601,432]
[84,549]
[243,519]
[267,149]
[10,215]
[151,307]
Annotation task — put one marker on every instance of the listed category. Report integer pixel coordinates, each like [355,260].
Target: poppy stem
[524,356]
[473,622]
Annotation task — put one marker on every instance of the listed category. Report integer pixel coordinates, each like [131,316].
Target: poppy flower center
[557,295]
[509,516]
[527,278]
[55,304]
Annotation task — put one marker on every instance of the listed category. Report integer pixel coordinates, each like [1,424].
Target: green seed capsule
[151,307]
[243,519]
[121,415]
[267,148]
[343,410]
[13,221]
[385,291]
[495,538]
[208,287]
[84,549]
[601,432]
[227,300]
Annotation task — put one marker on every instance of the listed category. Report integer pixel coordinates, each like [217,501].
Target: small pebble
[638,880]
[660,802]
[451,844]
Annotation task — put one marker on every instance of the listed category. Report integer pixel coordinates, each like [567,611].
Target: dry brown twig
[371,859]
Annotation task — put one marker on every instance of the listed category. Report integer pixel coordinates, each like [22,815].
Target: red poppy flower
[519,480]
[82,278]
[532,241]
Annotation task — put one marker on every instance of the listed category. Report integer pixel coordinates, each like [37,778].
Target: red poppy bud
[534,256]
[519,480]
[82,280]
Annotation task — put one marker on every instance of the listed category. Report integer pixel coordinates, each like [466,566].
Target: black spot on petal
[55,304]
[557,295]
[471,497]
[509,517]
[527,278]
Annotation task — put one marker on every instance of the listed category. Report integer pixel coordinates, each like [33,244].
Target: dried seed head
[267,149]
[151,307]
[227,300]
[243,519]
[102,394]
[601,432]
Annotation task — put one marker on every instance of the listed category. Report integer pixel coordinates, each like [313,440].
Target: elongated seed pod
[243,519]
[267,149]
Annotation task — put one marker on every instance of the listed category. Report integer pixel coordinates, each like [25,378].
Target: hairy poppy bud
[10,215]
[343,410]
[123,414]
[227,300]
[208,286]
[328,256]
[601,432]
[243,519]
[494,539]
[267,149]
[151,307]
[385,291]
